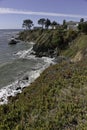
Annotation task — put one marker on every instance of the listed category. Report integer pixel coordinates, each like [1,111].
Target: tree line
[45,23]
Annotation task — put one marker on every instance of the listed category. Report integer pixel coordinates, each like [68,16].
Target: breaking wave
[17,86]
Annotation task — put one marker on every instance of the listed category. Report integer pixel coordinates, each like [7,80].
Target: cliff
[57,100]
[49,42]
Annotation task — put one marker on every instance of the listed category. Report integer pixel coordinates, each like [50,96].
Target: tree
[53,24]
[47,23]
[81,20]
[83,27]
[42,22]
[27,24]
[64,24]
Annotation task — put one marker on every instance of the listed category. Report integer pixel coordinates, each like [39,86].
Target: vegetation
[64,24]
[27,24]
[77,45]
[49,42]
[41,22]
[47,23]
[53,24]
[81,20]
[83,27]
[57,100]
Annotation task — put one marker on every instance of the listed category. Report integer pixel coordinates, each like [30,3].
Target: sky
[13,12]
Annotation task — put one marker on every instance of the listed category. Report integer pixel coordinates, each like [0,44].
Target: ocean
[18,67]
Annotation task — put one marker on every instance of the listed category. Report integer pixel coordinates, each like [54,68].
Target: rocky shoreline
[15,88]
[56,98]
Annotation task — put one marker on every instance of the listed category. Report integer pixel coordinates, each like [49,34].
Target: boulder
[13,42]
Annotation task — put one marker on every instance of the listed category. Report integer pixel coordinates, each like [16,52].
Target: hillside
[49,42]
[57,100]
[53,43]
[77,49]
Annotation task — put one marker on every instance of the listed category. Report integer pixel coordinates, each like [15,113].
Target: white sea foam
[24,53]
[48,60]
[17,86]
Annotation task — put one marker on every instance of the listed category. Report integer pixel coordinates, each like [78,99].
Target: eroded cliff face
[53,43]
[48,42]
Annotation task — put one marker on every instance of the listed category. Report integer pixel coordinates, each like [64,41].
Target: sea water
[18,67]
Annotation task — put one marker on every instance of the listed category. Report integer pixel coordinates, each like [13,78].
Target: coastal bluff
[57,99]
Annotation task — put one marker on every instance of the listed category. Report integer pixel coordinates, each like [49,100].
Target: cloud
[15,11]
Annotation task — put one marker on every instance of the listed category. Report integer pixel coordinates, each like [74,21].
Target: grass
[57,100]
[79,44]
